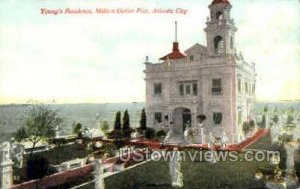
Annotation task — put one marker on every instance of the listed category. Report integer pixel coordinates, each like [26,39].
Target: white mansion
[212,80]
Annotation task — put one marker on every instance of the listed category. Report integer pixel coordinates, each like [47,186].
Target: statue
[224,140]
[170,132]
[99,171]
[199,130]
[175,169]
[188,133]
[211,140]
[17,153]
[135,134]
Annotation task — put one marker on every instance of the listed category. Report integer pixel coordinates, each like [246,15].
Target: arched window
[219,45]
[231,42]
[219,15]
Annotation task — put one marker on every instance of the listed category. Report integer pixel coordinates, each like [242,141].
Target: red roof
[220,1]
[175,54]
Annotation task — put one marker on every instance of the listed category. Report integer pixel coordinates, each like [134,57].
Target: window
[239,85]
[188,88]
[158,117]
[216,87]
[195,89]
[219,15]
[157,88]
[231,42]
[240,117]
[217,118]
[192,58]
[250,88]
[246,88]
[219,45]
[181,89]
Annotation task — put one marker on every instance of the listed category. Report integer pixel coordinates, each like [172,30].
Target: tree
[150,133]
[77,128]
[264,119]
[126,125]
[39,121]
[161,133]
[126,121]
[290,118]
[104,126]
[117,125]
[143,120]
[276,117]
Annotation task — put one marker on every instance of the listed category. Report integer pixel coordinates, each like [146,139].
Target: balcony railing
[216,91]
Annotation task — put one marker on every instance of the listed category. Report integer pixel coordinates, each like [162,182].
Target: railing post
[6,171]
[99,180]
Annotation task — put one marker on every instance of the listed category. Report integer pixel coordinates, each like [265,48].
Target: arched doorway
[182,118]
[219,44]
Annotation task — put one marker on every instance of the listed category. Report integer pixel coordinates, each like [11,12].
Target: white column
[99,180]
[6,172]
[290,164]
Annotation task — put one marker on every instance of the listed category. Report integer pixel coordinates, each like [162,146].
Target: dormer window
[192,58]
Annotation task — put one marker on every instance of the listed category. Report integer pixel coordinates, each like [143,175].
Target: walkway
[232,147]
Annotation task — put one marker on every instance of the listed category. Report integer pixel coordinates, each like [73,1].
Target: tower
[220,30]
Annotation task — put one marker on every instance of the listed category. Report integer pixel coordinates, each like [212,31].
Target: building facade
[212,80]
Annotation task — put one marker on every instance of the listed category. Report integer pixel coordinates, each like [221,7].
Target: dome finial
[220,1]
[175,31]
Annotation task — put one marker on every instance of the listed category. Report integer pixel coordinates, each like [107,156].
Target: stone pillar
[175,170]
[193,123]
[291,178]
[267,124]
[290,164]
[202,135]
[6,171]
[57,133]
[99,180]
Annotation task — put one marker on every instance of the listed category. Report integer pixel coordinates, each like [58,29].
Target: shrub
[37,167]
[248,126]
[116,134]
[161,133]
[77,128]
[118,121]
[143,120]
[104,126]
[290,119]
[150,133]
[126,125]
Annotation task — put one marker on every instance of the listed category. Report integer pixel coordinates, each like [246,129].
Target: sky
[99,58]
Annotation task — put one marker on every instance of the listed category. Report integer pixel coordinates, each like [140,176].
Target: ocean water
[91,115]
